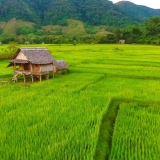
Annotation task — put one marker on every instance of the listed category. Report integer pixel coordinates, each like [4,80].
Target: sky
[149,3]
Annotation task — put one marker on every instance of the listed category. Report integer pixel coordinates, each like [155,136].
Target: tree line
[146,33]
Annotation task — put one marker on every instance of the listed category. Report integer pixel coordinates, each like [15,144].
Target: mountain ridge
[125,2]
[94,12]
[137,12]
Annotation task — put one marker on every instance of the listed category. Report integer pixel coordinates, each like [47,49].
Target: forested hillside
[95,12]
[77,21]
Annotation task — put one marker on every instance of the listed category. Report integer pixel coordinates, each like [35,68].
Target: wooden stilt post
[24,78]
[17,78]
[32,78]
[47,76]
[31,69]
[40,78]
[14,68]
[53,74]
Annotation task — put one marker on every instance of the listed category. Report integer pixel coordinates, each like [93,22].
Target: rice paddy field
[107,107]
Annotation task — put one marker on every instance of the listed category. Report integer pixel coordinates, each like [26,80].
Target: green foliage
[63,22]
[8,39]
[146,34]
[93,12]
[25,30]
[152,26]
[117,34]
[137,13]
[9,51]
[1,31]
[90,29]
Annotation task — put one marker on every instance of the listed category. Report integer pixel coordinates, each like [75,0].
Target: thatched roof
[34,56]
[37,55]
[18,61]
[61,65]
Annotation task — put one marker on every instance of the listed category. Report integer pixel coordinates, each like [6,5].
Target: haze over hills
[93,12]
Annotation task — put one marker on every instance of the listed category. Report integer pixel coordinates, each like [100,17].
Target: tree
[1,31]
[152,26]
[25,30]
[136,31]
[117,34]
[12,48]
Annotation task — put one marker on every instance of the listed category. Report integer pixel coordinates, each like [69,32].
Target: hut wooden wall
[35,67]
[47,68]
[23,67]
[54,69]
[27,67]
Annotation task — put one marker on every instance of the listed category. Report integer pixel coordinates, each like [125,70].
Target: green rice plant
[49,128]
[61,118]
[136,133]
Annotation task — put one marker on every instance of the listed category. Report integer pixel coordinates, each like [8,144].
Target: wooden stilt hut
[33,62]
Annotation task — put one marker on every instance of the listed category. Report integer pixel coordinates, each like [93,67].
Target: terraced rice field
[106,107]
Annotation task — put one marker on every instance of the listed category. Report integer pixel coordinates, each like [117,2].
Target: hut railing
[21,72]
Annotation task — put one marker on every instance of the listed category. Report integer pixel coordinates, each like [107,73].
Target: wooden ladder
[15,77]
